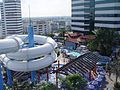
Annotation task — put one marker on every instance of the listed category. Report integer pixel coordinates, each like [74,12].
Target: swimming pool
[74,54]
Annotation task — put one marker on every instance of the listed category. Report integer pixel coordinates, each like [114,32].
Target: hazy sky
[40,8]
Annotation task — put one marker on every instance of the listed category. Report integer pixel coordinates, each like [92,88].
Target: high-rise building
[82,15]
[90,14]
[107,14]
[11,19]
[0,32]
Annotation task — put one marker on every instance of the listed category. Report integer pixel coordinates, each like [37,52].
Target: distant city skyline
[42,8]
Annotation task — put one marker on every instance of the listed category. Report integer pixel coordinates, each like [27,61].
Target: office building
[88,15]
[11,19]
[82,15]
[107,14]
[0,31]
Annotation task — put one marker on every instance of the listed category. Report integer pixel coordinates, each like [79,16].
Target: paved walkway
[109,84]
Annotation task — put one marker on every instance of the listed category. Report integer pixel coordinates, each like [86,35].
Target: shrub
[117,85]
[74,82]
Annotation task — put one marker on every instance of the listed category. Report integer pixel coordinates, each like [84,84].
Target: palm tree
[73,82]
[62,32]
[104,41]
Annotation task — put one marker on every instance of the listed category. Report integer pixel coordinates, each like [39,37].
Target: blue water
[75,54]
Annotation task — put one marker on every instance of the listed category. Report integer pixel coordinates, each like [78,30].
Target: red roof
[74,37]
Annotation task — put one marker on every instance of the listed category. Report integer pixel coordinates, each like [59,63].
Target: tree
[73,82]
[61,35]
[51,35]
[62,32]
[46,86]
[104,41]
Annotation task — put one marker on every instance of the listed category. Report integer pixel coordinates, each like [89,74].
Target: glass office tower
[90,14]
[107,14]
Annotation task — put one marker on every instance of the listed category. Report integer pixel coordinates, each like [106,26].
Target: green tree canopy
[74,82]
[104,41]
[62,32]
[30,86]
[46,86]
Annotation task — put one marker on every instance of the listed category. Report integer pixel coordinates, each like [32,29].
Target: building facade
[82,15]
[11,19]
[0,32]
[39,27]
[90,14]
[47,25]
[107,14]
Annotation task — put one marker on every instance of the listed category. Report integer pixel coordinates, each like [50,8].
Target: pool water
[75,54]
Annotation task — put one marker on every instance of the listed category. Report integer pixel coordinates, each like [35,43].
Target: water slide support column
[9,79]
[47,74]
[31,44]
[39,75]
[56,78]
[1,78]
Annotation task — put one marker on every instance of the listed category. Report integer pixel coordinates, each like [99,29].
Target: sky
[41,8]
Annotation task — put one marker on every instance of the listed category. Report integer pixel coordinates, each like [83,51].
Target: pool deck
[109,83]
[62,60]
